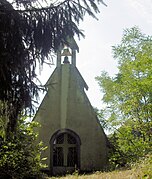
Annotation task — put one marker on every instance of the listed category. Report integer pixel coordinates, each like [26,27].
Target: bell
[66,60]
[66,52]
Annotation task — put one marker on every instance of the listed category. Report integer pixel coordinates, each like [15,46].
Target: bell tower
[68,52]
[69,126]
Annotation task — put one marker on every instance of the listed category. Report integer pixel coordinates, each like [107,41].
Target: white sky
[95,50]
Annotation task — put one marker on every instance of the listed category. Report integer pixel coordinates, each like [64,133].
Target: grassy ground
[142,170]
[127,174]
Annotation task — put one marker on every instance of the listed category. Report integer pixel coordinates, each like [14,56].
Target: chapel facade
[69,126]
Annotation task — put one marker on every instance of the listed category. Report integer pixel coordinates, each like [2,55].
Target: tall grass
[140,170]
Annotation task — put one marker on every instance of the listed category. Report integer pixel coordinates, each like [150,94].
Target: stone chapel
[69,126]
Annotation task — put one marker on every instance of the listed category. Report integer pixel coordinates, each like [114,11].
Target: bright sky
[95,50]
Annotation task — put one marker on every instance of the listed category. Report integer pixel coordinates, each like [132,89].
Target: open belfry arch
[69,126]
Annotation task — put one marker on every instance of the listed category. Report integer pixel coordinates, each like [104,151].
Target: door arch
[65,152]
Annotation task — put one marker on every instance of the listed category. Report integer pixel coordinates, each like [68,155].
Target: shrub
[19,155]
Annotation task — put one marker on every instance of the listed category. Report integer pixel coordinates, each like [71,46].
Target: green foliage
[3,118]
[100,114]
[20,156]
[146,166]
[128,95]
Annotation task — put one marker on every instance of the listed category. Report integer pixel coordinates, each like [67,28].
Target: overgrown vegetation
[128,99]
[140,170]
[20,156]
[29,33]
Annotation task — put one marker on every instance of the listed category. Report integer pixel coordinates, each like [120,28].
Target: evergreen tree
[30,31]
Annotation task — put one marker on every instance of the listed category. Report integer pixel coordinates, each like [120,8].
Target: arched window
[66,149]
